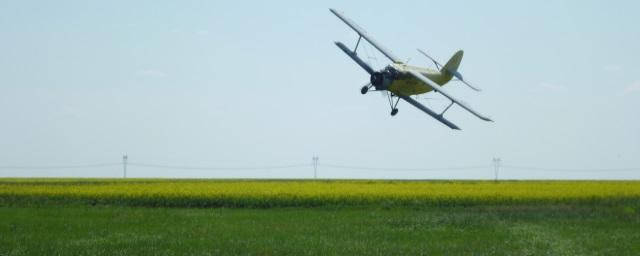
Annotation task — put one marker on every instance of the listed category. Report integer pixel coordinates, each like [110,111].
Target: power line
[60,166]
[544,169]
[216,168]
[363,168]
[315,164]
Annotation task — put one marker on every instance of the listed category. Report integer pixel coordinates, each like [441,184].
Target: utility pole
[125,158]
[496,167]
[315,167]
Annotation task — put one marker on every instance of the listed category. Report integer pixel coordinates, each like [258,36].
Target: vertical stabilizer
[451,68]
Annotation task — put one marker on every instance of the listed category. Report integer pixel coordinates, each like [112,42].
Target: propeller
[455,73]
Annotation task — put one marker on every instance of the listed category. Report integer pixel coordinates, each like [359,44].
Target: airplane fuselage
[406,84]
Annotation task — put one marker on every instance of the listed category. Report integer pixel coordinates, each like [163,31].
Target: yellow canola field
[308,193]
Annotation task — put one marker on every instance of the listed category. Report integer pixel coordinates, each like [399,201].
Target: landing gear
[394,109]
[364,89]
[393,99]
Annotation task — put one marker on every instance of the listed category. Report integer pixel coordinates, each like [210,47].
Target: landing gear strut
[394,109]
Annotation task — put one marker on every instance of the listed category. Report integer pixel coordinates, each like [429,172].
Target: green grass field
[218,217]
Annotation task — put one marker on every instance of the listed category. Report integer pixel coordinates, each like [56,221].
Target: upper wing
[439,89]
[429,111]
[364,35]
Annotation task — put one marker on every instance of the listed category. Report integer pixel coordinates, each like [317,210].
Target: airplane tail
[451,68]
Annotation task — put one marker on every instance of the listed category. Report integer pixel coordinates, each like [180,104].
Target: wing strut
[430,112]
[354,57]
[445,110]
[366,36]
[357,44]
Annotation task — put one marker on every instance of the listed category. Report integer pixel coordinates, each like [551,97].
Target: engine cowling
[382,79]
[377,79]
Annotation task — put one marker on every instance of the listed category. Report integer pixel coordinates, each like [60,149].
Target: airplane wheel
[394,112]
[364,89]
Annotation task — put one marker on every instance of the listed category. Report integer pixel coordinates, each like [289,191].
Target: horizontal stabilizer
[452,67]
[438,65]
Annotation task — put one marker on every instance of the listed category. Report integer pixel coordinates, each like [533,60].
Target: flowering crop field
[310,193]
[317,217]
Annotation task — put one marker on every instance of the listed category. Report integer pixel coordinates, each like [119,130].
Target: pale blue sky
[249,84]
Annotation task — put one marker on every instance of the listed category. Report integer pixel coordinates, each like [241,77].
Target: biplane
[399,80]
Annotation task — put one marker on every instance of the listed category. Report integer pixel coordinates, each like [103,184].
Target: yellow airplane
[401,81]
